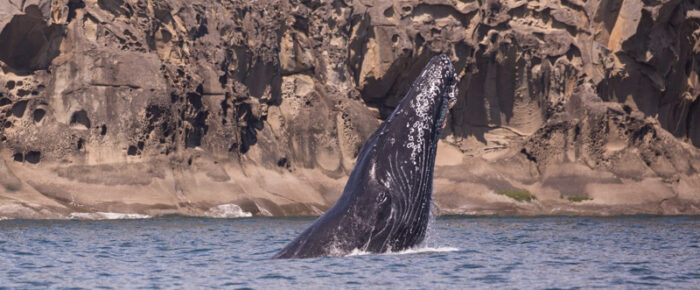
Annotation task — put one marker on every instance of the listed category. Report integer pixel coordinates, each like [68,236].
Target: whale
[385,205]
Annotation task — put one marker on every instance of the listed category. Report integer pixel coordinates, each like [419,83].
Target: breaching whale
[385,205]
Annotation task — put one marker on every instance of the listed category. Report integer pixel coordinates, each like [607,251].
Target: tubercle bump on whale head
[450,80]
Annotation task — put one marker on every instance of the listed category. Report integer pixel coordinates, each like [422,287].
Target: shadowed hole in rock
[389,12]
[627,109]
[202,30]
[19,157]
[39,114]
[28,42]
[195,100]
[22,92]
[80,118]
[165,35]
[283,162]
[193,137]
[19,108]
[494,6]
[129,34]
[249,123]
[528,155]
[132,150]
[103,130]
[72,6]
[10,85]
[80,143]
[494,38]
[167,130]
[8,124]
[5,102]
[33,157]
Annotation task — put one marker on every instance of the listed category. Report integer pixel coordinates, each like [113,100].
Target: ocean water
[461,252]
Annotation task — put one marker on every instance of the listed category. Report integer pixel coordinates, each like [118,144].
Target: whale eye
[382,197]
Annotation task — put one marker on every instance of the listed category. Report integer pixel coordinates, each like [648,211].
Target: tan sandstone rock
[192,107]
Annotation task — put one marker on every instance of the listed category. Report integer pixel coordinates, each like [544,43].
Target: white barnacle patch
[387,181]
[421,105]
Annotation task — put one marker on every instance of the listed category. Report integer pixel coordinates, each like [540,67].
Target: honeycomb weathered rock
[181,106]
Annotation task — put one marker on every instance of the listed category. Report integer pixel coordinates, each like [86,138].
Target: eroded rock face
[175,106]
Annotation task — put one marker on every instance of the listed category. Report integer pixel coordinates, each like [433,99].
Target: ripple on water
[629,252]
[126,245]
[640,271]
[343,273]
[196,251]
[275,276]
[22,253]
[491,279]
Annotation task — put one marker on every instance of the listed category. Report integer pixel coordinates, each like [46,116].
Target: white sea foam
[2,218]
[107,216]
[229,210]
[357,252]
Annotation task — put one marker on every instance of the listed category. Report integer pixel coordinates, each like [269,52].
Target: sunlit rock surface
[159,107]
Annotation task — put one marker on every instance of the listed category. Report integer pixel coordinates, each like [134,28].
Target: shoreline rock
[179,107]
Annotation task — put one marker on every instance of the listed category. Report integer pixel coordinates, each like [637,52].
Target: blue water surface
[461,252]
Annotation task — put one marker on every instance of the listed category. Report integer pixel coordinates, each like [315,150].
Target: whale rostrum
[385,205]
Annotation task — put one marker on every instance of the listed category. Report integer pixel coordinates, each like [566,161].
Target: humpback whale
[385,205]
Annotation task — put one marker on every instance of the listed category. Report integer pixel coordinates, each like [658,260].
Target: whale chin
[385,205]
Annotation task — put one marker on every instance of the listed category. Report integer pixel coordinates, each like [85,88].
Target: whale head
[424,108]
[385,205]
[413,128]
[397,162]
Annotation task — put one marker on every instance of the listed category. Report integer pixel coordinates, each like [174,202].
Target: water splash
[416,250]
[229,210]
[106,216]
[429,230]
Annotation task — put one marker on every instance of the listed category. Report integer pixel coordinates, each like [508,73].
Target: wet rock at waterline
[164,107]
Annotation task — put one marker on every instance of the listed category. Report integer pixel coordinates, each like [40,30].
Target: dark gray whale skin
[386,202]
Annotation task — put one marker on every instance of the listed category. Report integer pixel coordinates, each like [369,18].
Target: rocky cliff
[218,108]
